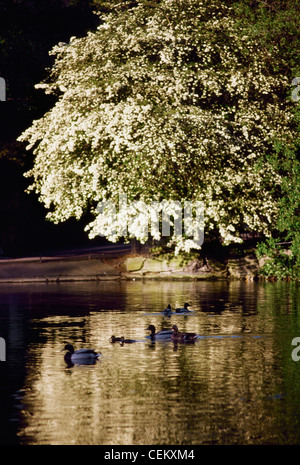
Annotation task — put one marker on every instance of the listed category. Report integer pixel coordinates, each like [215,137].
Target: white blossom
[166,103]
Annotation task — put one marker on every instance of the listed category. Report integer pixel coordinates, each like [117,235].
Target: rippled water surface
[237,384]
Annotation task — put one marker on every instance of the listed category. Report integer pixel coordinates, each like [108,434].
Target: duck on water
[168,310]
[182,337]
[184,309]
[164,334]
[80,357]
[121,340]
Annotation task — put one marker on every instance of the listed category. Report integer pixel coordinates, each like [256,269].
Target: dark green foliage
[277,25]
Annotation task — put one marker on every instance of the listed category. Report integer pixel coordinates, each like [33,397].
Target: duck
[184,309]
[168,310]
[81,356]
[121,340]
[182,337]
[113,339]
[126,341]
[164,334]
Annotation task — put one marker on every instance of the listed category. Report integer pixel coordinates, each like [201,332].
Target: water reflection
[237,384]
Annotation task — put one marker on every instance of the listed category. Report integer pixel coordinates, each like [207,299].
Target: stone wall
[128,267]
[180,268]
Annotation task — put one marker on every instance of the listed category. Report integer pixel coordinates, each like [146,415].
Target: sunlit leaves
[168,102]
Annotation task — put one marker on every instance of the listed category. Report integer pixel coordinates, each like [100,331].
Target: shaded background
[28,31]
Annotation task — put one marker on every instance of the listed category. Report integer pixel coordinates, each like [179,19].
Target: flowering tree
[164,101]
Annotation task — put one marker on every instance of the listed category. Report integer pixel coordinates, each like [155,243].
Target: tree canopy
[170,100]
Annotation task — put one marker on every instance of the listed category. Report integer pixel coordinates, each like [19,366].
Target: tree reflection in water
[237,384]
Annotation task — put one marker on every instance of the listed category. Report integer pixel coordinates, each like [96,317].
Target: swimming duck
[121,340]
[184,309]
[81,356]
[115,339]
[126,341]
[165,333]
[168,310]
[182,337]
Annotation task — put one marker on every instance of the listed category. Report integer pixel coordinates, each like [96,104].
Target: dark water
[238,383]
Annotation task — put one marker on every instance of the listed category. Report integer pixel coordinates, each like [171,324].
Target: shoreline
[124,266]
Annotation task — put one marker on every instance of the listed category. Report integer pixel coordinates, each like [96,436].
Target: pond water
[237,384]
